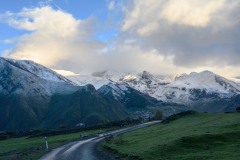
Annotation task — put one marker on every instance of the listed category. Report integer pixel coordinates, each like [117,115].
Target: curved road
[86,149]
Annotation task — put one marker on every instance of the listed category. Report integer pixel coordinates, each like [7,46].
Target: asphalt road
[86,149]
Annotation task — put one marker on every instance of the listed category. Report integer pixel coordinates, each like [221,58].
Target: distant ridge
[204,91]
[33,96]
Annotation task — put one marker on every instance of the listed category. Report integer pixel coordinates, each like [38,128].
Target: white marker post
[46,143]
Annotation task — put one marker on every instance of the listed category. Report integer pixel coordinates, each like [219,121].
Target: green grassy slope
[197,136]
[33,148]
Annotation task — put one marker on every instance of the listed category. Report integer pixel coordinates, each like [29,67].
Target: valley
[35,98]
[120,80]
[195,136]
[42,98]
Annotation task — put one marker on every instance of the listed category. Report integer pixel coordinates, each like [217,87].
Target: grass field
[33,148]
[193,137]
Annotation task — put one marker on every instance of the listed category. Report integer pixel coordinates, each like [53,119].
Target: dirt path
[86,149]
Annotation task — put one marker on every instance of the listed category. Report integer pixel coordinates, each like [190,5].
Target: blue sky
[80,9]
[160,36]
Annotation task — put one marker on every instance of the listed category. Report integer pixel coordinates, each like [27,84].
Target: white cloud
[148,29]
[147,16]
[201,35]
[111,5]
[7,41]
[65,73]
[198,34]
[142,15]
[129,57]
[46,19]
[191,12]
[43,3]
[58,40]
[54,36]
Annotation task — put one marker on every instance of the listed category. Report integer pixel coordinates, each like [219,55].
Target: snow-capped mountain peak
[206,80]
[37,69]
[146,75]
[185,89]
[110,75]
[194,76]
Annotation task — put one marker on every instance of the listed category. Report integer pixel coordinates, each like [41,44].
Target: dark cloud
[214,43]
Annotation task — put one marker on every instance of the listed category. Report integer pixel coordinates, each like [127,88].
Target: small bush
[3,137]
[238,109]
[177,116]
[158,115]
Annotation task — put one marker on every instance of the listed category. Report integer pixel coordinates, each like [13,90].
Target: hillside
[25,92]
[197,136]
[197,91]
[33,96]
[83,106]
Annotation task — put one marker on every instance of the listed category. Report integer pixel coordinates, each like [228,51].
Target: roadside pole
[46,143]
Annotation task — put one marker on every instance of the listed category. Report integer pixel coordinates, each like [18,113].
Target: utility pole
[46,143]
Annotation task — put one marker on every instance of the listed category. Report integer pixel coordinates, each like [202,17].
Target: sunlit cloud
[164,37]
[54,35]
[197,33]
[65,73]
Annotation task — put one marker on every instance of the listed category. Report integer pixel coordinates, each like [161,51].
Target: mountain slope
[24,96]
[37,69]
[85,105]
[33,96]
[131,98]
[198,136]
[29,92]
[204,91]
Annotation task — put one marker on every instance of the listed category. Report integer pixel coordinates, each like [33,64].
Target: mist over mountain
[33,96]
[204,91]
[76,76]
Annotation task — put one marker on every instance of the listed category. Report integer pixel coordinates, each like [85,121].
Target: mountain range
[33,96]
[204,91]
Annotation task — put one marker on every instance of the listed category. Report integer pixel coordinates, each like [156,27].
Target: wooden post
[46,143]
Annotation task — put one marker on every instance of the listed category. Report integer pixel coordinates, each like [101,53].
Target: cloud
[53,36]
[58,40]
[193,13]
[111,5]
[168,37]
[129,57]
[66,73]
[197,33]
[45,19]
[197,13]
[45,2]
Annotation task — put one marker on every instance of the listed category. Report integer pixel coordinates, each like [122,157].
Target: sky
[160,36]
